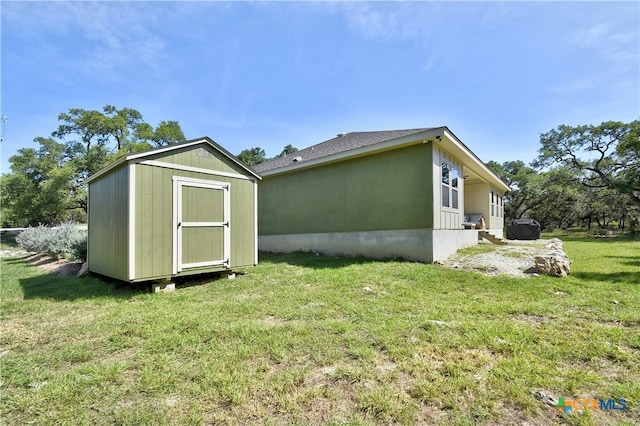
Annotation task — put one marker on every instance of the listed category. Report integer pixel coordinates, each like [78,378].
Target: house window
[497,205]
[450,181]
[493,204]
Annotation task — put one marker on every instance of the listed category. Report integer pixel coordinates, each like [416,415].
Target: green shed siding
[153,232]
[154,221]
[243,223]
[108,224]
[203,157]
[388,190]
[132,214]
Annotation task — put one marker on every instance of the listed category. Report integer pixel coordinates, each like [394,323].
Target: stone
[544,397]
[84,270]
[437,322]
[555,244]
[555,263]
[163,287]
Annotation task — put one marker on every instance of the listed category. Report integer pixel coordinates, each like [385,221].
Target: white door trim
[178,183]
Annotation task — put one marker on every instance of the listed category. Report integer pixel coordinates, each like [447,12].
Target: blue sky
[270,74]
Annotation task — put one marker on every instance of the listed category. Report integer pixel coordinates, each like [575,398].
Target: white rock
[84,270]
[438,322]
[554,263]
[555,244]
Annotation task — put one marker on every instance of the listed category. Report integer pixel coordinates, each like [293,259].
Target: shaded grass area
[8,241]
[298,339]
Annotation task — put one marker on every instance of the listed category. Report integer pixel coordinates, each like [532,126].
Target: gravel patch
[516,258]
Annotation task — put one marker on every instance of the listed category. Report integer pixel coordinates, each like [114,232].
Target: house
[385,194]
[176,210]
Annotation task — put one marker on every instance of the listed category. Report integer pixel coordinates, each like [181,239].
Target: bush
[79,249]
[34,239]
[67,240]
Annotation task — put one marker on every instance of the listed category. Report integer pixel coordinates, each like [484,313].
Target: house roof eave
[413,139]
[441,135]
[451,143]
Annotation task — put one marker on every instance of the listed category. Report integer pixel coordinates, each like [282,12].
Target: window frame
[449,185]
[497,205]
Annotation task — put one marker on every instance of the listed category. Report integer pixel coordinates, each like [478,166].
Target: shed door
[201,223]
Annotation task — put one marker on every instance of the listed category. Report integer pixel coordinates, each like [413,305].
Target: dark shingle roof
[344,143]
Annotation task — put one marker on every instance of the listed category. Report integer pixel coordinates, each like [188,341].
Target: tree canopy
[289,149]
[555,198]
[521,179]
[252,156]
[582,175]
[257,155]
[46,184]
[604,156]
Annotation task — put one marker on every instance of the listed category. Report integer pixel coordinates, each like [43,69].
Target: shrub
[33,239]
[67,240]
[79,248]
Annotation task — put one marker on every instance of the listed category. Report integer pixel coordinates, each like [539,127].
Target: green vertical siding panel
[160,209]
[108,224]
[272,195]
[242,223]
[202,204]
[389,190]
[154,211]
[202,244]
[189,157]
[154,220]
[430,185]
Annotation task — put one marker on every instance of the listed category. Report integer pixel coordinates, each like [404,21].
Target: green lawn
[298,340]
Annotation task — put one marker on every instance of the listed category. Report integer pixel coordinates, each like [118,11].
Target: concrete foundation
[422,245]
[446,242]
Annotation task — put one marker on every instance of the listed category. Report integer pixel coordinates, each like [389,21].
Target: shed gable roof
[138,156]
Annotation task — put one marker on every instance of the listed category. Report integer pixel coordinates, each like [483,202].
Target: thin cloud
[396,21]
[609,41]
[114,33]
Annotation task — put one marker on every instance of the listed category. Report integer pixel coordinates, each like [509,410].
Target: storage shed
[177,210]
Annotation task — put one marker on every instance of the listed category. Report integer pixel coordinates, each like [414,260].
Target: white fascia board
[413,139]
[255,221]
[107,169]
[202,183]
[192,169]
[131,234]
[470,160]
[136,155]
